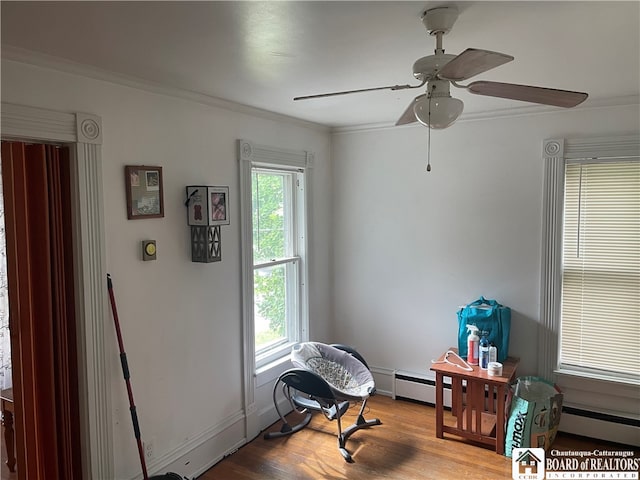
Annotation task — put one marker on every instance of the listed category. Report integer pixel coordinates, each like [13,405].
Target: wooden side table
[6,399]
[480,407]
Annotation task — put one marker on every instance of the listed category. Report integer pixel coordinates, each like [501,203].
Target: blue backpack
[490,317]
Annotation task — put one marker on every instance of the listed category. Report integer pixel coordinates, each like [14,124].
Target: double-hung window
[273,185]
[276,234]
[590,288]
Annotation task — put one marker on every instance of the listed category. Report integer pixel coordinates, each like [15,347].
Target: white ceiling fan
[436,108]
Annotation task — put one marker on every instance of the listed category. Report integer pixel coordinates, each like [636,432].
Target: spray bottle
[473,341]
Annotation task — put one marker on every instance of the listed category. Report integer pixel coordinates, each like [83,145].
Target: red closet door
[36,184]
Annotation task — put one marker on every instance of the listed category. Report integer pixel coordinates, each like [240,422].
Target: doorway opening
[41,321]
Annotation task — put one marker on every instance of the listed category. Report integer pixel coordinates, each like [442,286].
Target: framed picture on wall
[218,198]
[144,192]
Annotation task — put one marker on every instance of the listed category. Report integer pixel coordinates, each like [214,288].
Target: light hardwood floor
[404,447]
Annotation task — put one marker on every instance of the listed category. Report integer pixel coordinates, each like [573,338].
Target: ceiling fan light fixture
[442,112]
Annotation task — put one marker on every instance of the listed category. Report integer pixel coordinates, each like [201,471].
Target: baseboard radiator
[612,428]
[418,387]
[422,388]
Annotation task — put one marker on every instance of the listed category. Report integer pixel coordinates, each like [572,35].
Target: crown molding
[30,57]
[590,104]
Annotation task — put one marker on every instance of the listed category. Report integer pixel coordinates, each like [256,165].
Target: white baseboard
[268,416]
[384,380]
[198,454]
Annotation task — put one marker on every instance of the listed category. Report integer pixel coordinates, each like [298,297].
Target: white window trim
[581,390]
[252,155]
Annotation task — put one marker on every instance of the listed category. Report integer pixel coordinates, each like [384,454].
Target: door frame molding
[83,133]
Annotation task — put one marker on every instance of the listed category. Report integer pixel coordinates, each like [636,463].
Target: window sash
[289,245]
[599,329]
[272,350]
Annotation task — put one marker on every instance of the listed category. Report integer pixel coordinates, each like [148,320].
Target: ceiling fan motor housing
[428,67]
[439,20]
[438,88]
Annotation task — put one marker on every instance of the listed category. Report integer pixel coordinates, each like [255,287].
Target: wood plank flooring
[404,447]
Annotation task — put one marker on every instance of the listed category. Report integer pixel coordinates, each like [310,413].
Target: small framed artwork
[218,198]
[144,192]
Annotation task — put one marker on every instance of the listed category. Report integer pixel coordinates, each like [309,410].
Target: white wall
[411,246]
[181,321]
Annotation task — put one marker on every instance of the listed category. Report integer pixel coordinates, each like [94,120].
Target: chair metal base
[330,407]
[287,429]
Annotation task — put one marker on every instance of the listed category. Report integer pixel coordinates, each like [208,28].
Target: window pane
[270,303]
[270,216]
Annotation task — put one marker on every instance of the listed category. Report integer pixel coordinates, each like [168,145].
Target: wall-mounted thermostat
[148,250]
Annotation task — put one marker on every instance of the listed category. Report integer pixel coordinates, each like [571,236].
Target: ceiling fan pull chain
[429,151]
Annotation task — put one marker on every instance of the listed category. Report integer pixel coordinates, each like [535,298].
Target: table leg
[456,400]
[500,420]
[7,422]
[456,393]
[439,406]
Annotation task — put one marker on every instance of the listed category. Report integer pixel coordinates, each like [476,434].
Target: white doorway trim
[83,133]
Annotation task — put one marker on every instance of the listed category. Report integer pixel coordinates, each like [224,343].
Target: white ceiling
[262,54]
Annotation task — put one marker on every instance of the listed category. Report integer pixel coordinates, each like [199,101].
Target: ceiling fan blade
[528,93]
[409,116]
[346,92]
[471,62]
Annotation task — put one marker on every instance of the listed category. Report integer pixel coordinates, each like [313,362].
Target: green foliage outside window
[269,243]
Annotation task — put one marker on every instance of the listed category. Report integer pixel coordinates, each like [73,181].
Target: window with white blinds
[600,311]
